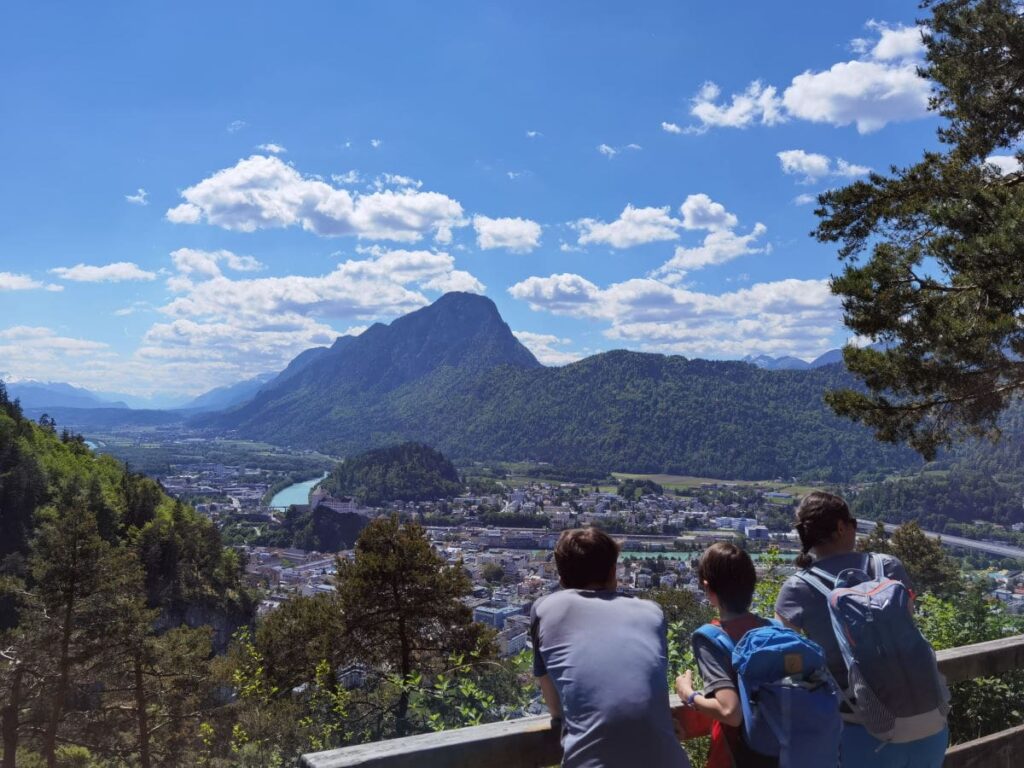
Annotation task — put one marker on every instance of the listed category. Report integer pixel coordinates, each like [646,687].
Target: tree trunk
[59,695]
[10,719]
[402,712]
[141,714]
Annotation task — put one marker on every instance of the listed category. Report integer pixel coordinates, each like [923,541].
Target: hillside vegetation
[407,472]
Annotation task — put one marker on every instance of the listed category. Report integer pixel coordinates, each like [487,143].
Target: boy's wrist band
[691,697]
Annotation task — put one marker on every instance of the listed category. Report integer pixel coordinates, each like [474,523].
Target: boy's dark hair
[584,557]
[817,518]
[729,573]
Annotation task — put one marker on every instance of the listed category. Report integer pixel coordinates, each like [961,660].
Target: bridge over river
[958,542]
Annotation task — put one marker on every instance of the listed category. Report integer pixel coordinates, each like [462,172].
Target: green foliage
[632,489]
[930,569]
[985,705]
[406,472]
[941,285]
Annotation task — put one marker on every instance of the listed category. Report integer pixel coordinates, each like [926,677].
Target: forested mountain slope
[453,375]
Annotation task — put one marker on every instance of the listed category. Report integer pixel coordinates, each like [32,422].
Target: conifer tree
[932,251]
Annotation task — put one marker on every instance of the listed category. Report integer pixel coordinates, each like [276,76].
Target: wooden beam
[999,750]
[982,659]
[529,742]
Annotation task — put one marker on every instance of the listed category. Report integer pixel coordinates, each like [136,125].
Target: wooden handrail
[529,742]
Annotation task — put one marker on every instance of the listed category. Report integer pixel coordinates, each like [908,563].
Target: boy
[601,660]
[727,575]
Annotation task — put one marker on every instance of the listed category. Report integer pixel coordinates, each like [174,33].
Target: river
[295,494]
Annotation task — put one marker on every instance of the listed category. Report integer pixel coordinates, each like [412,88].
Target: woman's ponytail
[817,519]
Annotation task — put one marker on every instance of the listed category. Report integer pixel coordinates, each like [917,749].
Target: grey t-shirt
[803,606]
[608,658]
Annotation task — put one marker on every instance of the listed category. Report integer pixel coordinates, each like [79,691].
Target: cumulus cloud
[139,198]
[514,234]
[533,134]
[346,179]
[1004,163]
[376,143]
[607,151]
[795,317]
[262,192]
[544,347]
[812,166]
[189,261]
[880,87]
[396,180]
[805,199]
[274,149]
[635,226]
[757,104]
[10,281]
[719,246]
[701,212]
[117,272]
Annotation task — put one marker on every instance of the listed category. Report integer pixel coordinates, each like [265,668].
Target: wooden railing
[529,742]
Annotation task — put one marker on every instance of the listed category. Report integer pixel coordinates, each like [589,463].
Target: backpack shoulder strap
[818,583]
[878,564]
[716,635]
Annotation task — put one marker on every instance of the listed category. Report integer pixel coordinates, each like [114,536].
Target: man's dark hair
[585,557]
[729,573]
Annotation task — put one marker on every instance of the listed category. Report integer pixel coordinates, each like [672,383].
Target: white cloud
[346,179]
[376,143]
[533,134]
[796,317]
[757,104]
[635,226]
[274,149]
[189,261]
[897,42]
[456,280]
[850,170]
[263,192]
[236,125]
[701,212]
[543,346]
[870,94]
[396,180]
[810,165]
[9,281]
[1004,163]
[515,234]
[805,199]
[139,198]
[814,167]
[607,151]
[719,246]
[880,87]
[562,294]
[117,272]
[670,128]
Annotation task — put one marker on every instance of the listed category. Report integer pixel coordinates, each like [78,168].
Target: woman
[828,537]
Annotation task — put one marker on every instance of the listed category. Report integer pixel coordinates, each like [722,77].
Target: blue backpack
[896,689]
[790,701]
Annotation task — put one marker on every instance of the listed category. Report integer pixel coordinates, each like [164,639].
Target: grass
[687,482]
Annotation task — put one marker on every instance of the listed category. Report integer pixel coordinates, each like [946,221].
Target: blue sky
[195,192]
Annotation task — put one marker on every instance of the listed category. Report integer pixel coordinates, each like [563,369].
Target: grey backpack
[895,689]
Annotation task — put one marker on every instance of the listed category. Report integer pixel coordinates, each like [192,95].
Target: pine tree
[400,602]
[942,289]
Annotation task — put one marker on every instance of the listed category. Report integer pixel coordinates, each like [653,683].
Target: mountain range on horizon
[454,376]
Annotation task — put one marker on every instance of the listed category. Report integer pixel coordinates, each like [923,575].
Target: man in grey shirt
[601,660]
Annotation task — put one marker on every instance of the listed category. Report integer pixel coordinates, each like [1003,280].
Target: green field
[681,482]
